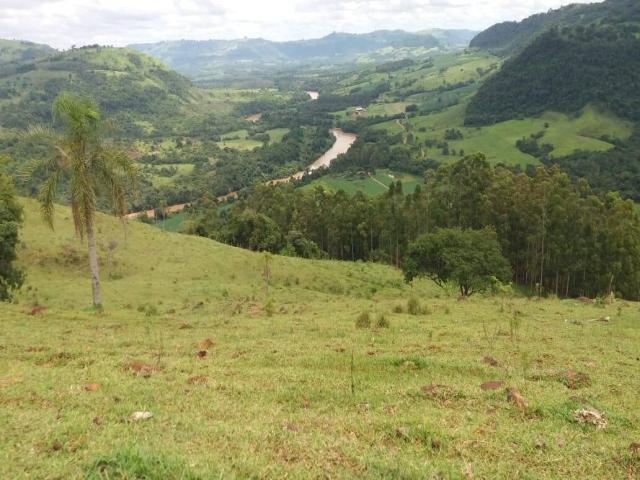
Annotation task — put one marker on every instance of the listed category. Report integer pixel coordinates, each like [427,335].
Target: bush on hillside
[11,277]
[469,258]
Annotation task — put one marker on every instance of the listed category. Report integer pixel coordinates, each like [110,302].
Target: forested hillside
[564,71]
[126,84]
[509,37]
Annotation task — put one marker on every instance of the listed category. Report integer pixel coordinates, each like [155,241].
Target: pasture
[329,369]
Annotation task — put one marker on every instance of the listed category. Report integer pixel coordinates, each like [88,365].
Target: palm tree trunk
[93,266]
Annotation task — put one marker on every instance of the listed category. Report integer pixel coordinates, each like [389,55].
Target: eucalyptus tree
[92,168]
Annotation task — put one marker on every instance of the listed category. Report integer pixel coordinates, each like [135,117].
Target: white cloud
[63,23]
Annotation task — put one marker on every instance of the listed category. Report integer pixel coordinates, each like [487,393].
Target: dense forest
[558,235]
[511,37]
[617,169]
[564,71]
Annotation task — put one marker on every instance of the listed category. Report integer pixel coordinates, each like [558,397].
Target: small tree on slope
[470,258]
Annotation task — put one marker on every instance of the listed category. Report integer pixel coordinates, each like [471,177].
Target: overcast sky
[62,23]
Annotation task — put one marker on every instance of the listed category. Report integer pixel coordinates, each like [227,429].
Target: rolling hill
[128,85]
[288,385]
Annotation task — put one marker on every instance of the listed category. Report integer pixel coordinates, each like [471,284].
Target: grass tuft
[136,465]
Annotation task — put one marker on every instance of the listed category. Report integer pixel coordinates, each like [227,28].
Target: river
[342,144]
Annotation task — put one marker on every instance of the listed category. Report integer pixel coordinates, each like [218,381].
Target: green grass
[371,186]
[498,142]
[302,393]
[175,222]
[239,139]
[158,180]
[418,83]
[277,134]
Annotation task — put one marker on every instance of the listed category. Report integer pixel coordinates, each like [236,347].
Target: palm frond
[83,201]
[44,134]
[78,114]
[118,174]
[47,196]
[40,133]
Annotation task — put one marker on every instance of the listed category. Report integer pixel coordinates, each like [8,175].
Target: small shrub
[413,306]
[398,309]
[363,320]
[148,310]
[382,321]
[269,308]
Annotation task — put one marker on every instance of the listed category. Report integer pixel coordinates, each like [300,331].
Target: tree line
[558,235]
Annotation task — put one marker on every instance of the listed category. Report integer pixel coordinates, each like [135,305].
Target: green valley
[333,241]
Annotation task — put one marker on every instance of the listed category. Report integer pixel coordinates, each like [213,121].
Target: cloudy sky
[62,23]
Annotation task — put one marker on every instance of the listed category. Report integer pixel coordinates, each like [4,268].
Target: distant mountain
[127,84]
[510,37]
[21,51]
[451,38]
[192,57]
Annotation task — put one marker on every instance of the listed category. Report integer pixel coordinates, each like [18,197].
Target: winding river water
[342,144]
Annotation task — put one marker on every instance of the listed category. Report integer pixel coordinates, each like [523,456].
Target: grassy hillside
[566,133]
[289,386]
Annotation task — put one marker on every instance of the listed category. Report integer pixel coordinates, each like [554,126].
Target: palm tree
[92,167]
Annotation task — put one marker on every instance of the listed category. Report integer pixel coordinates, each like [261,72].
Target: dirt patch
[573,380]
[205,344]
[198,380]
[141,369]
[490,361]
[37,349]
[437,392]
[37,310]
[57,359]
[491,385]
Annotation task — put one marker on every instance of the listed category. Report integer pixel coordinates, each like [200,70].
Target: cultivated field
[245,383]
[498,142]
[371,185]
